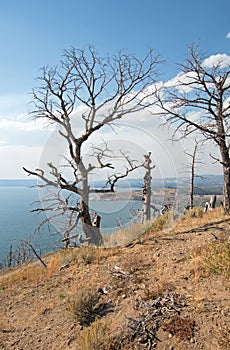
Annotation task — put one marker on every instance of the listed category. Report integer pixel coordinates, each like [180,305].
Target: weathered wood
[147,188]
[36,254]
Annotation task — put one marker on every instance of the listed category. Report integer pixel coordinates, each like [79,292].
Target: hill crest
[166,289]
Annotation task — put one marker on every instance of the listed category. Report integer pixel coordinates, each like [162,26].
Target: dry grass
[32,273]
[196,212]
[212,259]
[2,323]
[35,273]
[87,255]
[22,276]
[157,265]
[224,337]
[82,255]
[82,305]
[163,222]
[196,218]
[94,337]
[126,235]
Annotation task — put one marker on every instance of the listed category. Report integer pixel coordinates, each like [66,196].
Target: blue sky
[34,33]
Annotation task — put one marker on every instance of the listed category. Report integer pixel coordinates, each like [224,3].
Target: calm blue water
[18,223]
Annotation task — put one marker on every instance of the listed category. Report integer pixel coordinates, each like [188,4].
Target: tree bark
[147,189]
[92,233]
[224,149]
[226,173]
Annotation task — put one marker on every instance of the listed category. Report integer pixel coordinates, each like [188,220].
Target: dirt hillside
[168,289]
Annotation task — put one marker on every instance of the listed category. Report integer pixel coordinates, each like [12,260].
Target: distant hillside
[17,182]
[208,183]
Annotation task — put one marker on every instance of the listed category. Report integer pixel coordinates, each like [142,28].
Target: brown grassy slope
[168,289]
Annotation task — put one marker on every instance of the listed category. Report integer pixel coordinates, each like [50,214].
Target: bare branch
[106,89]
[196,102]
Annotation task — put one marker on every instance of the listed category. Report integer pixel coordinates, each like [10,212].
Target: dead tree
[107,90]
[195,160]
[198,101]
[147,188]
[10,257]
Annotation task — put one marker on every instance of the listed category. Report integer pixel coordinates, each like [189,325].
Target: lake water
[18,223]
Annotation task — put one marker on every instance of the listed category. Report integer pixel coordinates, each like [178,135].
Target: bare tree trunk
[207,92]
[192,186]
[193,166]
[221,139]
[10,256]
[147,189]
[226,173]
[92,233]
[107,91]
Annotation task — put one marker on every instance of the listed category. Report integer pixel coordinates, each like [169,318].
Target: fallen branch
[206,227]
[35,253]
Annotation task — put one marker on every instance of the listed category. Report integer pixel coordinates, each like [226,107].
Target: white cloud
[221,60]
[194,116]
[23,141]
[21,125]
[228,35]
[182,82]
[226,104]
[13,158]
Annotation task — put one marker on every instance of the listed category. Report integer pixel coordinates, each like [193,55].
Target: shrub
[180,327]
[86,255]
[82,307]
[94,337]
[196,212]
[68,256]
[217,258]
[213,258]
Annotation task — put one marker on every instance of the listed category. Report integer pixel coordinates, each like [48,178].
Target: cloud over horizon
[23,139]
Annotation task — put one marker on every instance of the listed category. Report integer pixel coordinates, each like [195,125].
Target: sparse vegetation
[82,305]
[213,258]
[125,235]
[94,337]
[86,255]
[137,296]
[196,212]
[224,337]
[180,327]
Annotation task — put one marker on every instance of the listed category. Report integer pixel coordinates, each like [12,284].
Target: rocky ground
[168,289]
